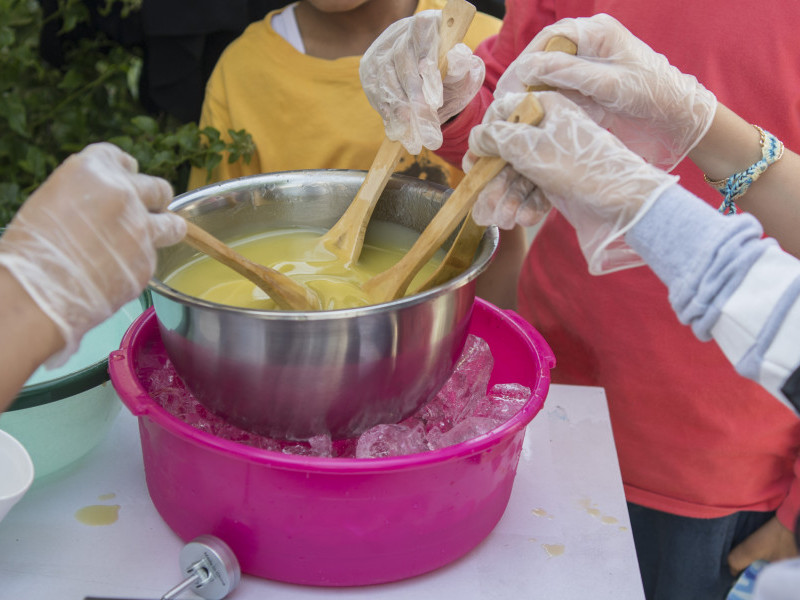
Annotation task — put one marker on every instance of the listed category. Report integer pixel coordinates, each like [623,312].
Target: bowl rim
[27,464]
[330,465]
[71,384]
[157,285]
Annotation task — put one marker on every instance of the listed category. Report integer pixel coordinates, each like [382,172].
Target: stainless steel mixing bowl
[298,374]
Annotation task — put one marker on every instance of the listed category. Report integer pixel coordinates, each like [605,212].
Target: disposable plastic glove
[400,76]
[599,185]
[624,85]
[507,200]
[85,242]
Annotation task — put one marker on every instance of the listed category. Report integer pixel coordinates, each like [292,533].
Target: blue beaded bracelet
[735,186]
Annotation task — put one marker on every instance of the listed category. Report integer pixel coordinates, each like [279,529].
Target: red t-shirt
[693,437]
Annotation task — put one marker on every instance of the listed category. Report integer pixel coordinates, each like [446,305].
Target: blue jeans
[681,558]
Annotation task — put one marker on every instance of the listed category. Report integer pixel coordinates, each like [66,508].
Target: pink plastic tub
[336,521]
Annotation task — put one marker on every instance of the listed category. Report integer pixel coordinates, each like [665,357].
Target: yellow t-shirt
[306,112]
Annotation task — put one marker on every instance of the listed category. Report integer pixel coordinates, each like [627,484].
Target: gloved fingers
[465,73]
[423,40]
[654,108]
[599,185]
[596,78]
[514,196]
[414,131]
[400,77]
[534,209]
[485,211]
[468,160]
[460,63]
[502,198]
[129,259]
[166,229]
[154,192]
[84,243]
[110,165]
[520,203]
[496,136]
[413,64]
[527,201]
[597,36]
[414,127]
[501,108]
[430,135]
[114,156]
[410,115]
[561,154]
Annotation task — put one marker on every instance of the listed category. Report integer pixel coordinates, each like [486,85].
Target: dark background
[180,41]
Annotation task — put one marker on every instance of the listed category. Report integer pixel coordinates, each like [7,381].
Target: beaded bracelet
[735,186]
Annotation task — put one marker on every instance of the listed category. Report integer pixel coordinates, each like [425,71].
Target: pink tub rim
[122,369]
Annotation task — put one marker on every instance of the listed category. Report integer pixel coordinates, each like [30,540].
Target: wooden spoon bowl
[285,291]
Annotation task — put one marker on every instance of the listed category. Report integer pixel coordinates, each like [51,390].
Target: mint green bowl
[60,415]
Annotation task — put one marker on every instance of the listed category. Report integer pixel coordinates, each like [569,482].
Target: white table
[565,533]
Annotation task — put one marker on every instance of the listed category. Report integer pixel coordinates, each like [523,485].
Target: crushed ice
[463,409]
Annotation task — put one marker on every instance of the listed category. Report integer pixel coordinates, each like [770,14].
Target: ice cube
[502,401]
[391,440]
[466,429]
[465,387]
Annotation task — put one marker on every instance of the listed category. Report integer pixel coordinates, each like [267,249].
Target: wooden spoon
[393,282]
[346,237]
[461,253]
[286,292]
[557,43]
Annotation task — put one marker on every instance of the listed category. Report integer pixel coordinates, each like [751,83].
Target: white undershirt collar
[285,25]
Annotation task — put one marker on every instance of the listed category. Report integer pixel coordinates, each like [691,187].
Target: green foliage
[47,113]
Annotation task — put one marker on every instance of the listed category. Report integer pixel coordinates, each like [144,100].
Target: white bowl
[16,472]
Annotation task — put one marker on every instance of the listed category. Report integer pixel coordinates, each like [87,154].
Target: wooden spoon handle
[287,293]
[393,282]
[459,257]
[556,43]
[346,237]
[461,253]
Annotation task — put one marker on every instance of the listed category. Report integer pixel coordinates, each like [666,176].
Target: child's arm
[731,146]
[727,283]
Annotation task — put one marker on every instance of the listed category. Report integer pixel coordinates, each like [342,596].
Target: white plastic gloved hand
[400,76]
[508,200]
[85,241]
[599,185]
[623,84]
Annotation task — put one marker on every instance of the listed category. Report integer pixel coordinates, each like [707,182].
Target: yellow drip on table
[299,254]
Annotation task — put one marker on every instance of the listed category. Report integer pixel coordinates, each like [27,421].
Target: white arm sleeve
[727,283]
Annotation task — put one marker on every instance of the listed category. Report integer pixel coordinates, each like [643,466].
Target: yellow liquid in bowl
[300,254]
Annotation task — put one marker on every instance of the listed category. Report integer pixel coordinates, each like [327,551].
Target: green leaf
[35,162]
[72,80]
[7,37]
[47,113]
[211,162]
[13,110]
[125,142]
[73,13]
[212,134]
[133,76]
[146,124]
[8,193]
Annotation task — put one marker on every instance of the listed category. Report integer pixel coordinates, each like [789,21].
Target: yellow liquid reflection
[300,254]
